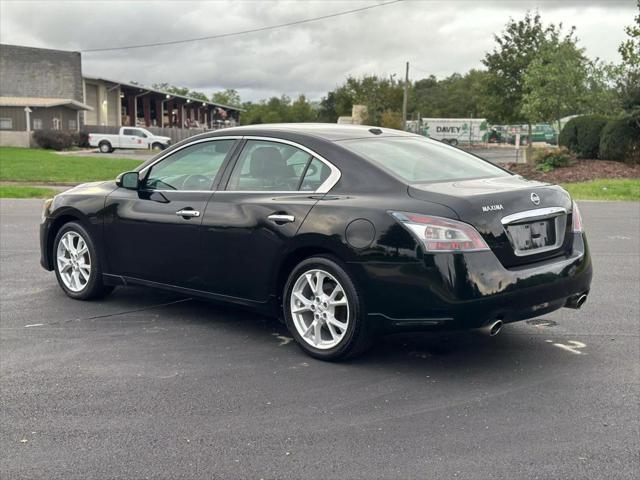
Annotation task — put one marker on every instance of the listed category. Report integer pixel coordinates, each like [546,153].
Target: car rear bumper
[467,291]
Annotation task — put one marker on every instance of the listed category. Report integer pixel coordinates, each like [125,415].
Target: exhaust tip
[577,301]
[495,328]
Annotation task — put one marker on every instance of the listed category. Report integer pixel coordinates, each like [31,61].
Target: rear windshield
[418,160]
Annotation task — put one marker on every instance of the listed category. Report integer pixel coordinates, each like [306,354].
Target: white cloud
[438,38]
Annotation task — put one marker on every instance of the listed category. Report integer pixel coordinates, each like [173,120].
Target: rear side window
[269,166]
[316,174]
[418,160]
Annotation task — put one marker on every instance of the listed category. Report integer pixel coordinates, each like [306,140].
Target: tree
[602,97]
[517,47]
[555,82]
[198,95]
[454,96]
[182,91]
[629,81]
[391,119]
[302,111]
[167,87]
[228,96]
[377,93]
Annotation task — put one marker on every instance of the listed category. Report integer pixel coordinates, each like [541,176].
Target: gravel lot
[147,384]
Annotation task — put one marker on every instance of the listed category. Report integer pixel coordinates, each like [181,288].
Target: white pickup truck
[129,137]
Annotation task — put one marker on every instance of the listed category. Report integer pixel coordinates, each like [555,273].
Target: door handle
[281,218]
[188,213]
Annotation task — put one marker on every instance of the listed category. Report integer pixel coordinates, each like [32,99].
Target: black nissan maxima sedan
[344,231]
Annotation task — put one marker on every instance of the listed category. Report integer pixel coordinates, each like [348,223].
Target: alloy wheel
[320,309]
[74,261]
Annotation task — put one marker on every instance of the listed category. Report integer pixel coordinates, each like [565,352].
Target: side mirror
[130,180]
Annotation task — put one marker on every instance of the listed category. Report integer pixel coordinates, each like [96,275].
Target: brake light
[439,234]
[576,219]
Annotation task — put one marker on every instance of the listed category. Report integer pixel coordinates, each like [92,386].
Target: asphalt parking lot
[147,384]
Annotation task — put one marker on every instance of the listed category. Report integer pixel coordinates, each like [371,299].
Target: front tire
[77,265]
[323,310]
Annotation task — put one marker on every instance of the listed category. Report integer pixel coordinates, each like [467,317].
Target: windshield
[418,160]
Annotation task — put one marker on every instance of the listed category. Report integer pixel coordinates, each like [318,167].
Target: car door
[133,138]
[153,233]
[247,225]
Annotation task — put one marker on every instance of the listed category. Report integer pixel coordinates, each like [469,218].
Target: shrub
[55,139]
[581,135]
[589,131]
[83,139]
[551,158]
[620,140]
[569,135]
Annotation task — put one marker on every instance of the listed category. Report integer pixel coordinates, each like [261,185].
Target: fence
[175,134]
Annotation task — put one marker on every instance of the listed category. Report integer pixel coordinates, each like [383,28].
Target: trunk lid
[522,221]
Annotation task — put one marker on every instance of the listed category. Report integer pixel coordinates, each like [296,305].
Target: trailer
[455,131]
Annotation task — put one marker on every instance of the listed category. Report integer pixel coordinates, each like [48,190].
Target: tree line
[536,72]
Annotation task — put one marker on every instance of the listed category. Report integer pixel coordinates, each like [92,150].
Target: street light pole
[405,97]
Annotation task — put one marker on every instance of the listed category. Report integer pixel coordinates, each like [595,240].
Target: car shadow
[518,349]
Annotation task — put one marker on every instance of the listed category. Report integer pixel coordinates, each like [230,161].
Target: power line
[242,32]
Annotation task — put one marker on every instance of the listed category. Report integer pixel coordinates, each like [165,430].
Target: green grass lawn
[15,191]
[627,189]
[38,165]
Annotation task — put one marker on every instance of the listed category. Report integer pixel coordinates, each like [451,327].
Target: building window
[72,124]
[6,123]
[37,124]
[56,124]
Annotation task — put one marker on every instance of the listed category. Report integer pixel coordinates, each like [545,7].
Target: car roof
[328,131]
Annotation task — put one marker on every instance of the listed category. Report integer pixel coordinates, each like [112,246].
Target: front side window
[417,160]
[269,166]
[191,168]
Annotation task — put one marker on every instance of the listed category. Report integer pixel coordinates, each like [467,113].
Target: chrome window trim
[325,187]
[559,215]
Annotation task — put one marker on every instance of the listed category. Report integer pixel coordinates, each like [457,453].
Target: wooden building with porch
[115,104]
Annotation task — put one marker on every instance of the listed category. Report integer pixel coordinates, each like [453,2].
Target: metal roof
[42,102]
[162,92]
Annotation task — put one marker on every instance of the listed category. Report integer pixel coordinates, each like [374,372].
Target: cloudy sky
[436,37]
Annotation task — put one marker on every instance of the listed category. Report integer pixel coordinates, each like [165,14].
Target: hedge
[569,135]
[56,139]
[620,140]
[581,135]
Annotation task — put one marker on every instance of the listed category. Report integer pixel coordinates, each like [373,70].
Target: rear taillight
[577,219]
[439,234]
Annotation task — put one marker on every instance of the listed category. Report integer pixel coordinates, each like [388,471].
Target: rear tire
[105,147]
[324,310]
[77,265]
[453,142]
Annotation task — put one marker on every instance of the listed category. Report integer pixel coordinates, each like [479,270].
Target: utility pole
[405,98]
